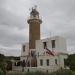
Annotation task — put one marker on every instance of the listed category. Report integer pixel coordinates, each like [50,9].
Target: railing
[34,17]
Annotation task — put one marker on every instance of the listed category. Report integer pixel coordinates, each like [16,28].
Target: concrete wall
[60,61]
[60,44]
[24,54]
[44,58]
[60,47]
[34,69]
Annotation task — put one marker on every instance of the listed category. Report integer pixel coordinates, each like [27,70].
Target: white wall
[24,54]
[60,44]
[61,60]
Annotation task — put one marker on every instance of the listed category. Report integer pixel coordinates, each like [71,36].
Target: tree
[70,61]
[2,63]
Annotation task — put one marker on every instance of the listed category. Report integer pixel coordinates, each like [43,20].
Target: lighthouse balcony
[36,19]
[31,17]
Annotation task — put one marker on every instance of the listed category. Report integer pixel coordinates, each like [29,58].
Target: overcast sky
[58,19]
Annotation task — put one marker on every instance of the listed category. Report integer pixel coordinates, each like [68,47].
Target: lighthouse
[34,22]
[38,52]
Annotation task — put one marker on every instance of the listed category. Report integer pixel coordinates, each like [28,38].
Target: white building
[46,61]
[43,55]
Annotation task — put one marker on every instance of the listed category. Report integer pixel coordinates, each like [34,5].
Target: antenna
[35,6]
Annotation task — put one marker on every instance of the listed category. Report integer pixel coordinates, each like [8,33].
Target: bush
[62,72]
[1,72]
[35,73]
[2,64]
[59,72]
[2,68]
[70,62]
[73,73]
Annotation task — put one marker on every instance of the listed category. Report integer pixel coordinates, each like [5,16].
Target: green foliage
[59,72]
[35,73]
[73,73]
[2,57]
[1,72]
[71,62]
[2,64]
[62,72]
[2,67]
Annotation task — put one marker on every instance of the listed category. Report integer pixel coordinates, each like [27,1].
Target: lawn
[15,73]
[73,73]
[60,72]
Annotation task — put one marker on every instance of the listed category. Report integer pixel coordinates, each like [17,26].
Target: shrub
[35,73]
[2,68]
[73,73]
[1,72]
[59,72]
[62,72]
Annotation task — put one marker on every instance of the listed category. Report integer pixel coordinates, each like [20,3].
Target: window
[41,62]
[45,44]
[32,53]
[64,62]
[23,48]
[56,61]
[47,61]
[53,43]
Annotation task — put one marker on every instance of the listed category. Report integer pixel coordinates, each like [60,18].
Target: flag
[49,52]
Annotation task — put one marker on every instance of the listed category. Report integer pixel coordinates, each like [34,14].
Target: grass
[73,73]
[15,73]
[60,72]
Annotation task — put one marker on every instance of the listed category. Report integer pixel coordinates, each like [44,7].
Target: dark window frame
[53,43]
[45,45]
[47,62]
[41,62]
[56,61]
[64,62]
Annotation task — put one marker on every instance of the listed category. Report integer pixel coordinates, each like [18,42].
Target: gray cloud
[58,19]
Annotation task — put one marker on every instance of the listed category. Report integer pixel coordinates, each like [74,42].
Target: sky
[58,18]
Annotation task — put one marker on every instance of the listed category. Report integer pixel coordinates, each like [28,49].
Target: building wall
[60,47]
[24,54]
[52,64]
[61,60]
[34,33]
[60,44]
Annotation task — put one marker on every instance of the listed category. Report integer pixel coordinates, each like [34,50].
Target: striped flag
[49,52]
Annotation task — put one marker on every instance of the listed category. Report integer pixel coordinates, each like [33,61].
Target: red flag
[49,52]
